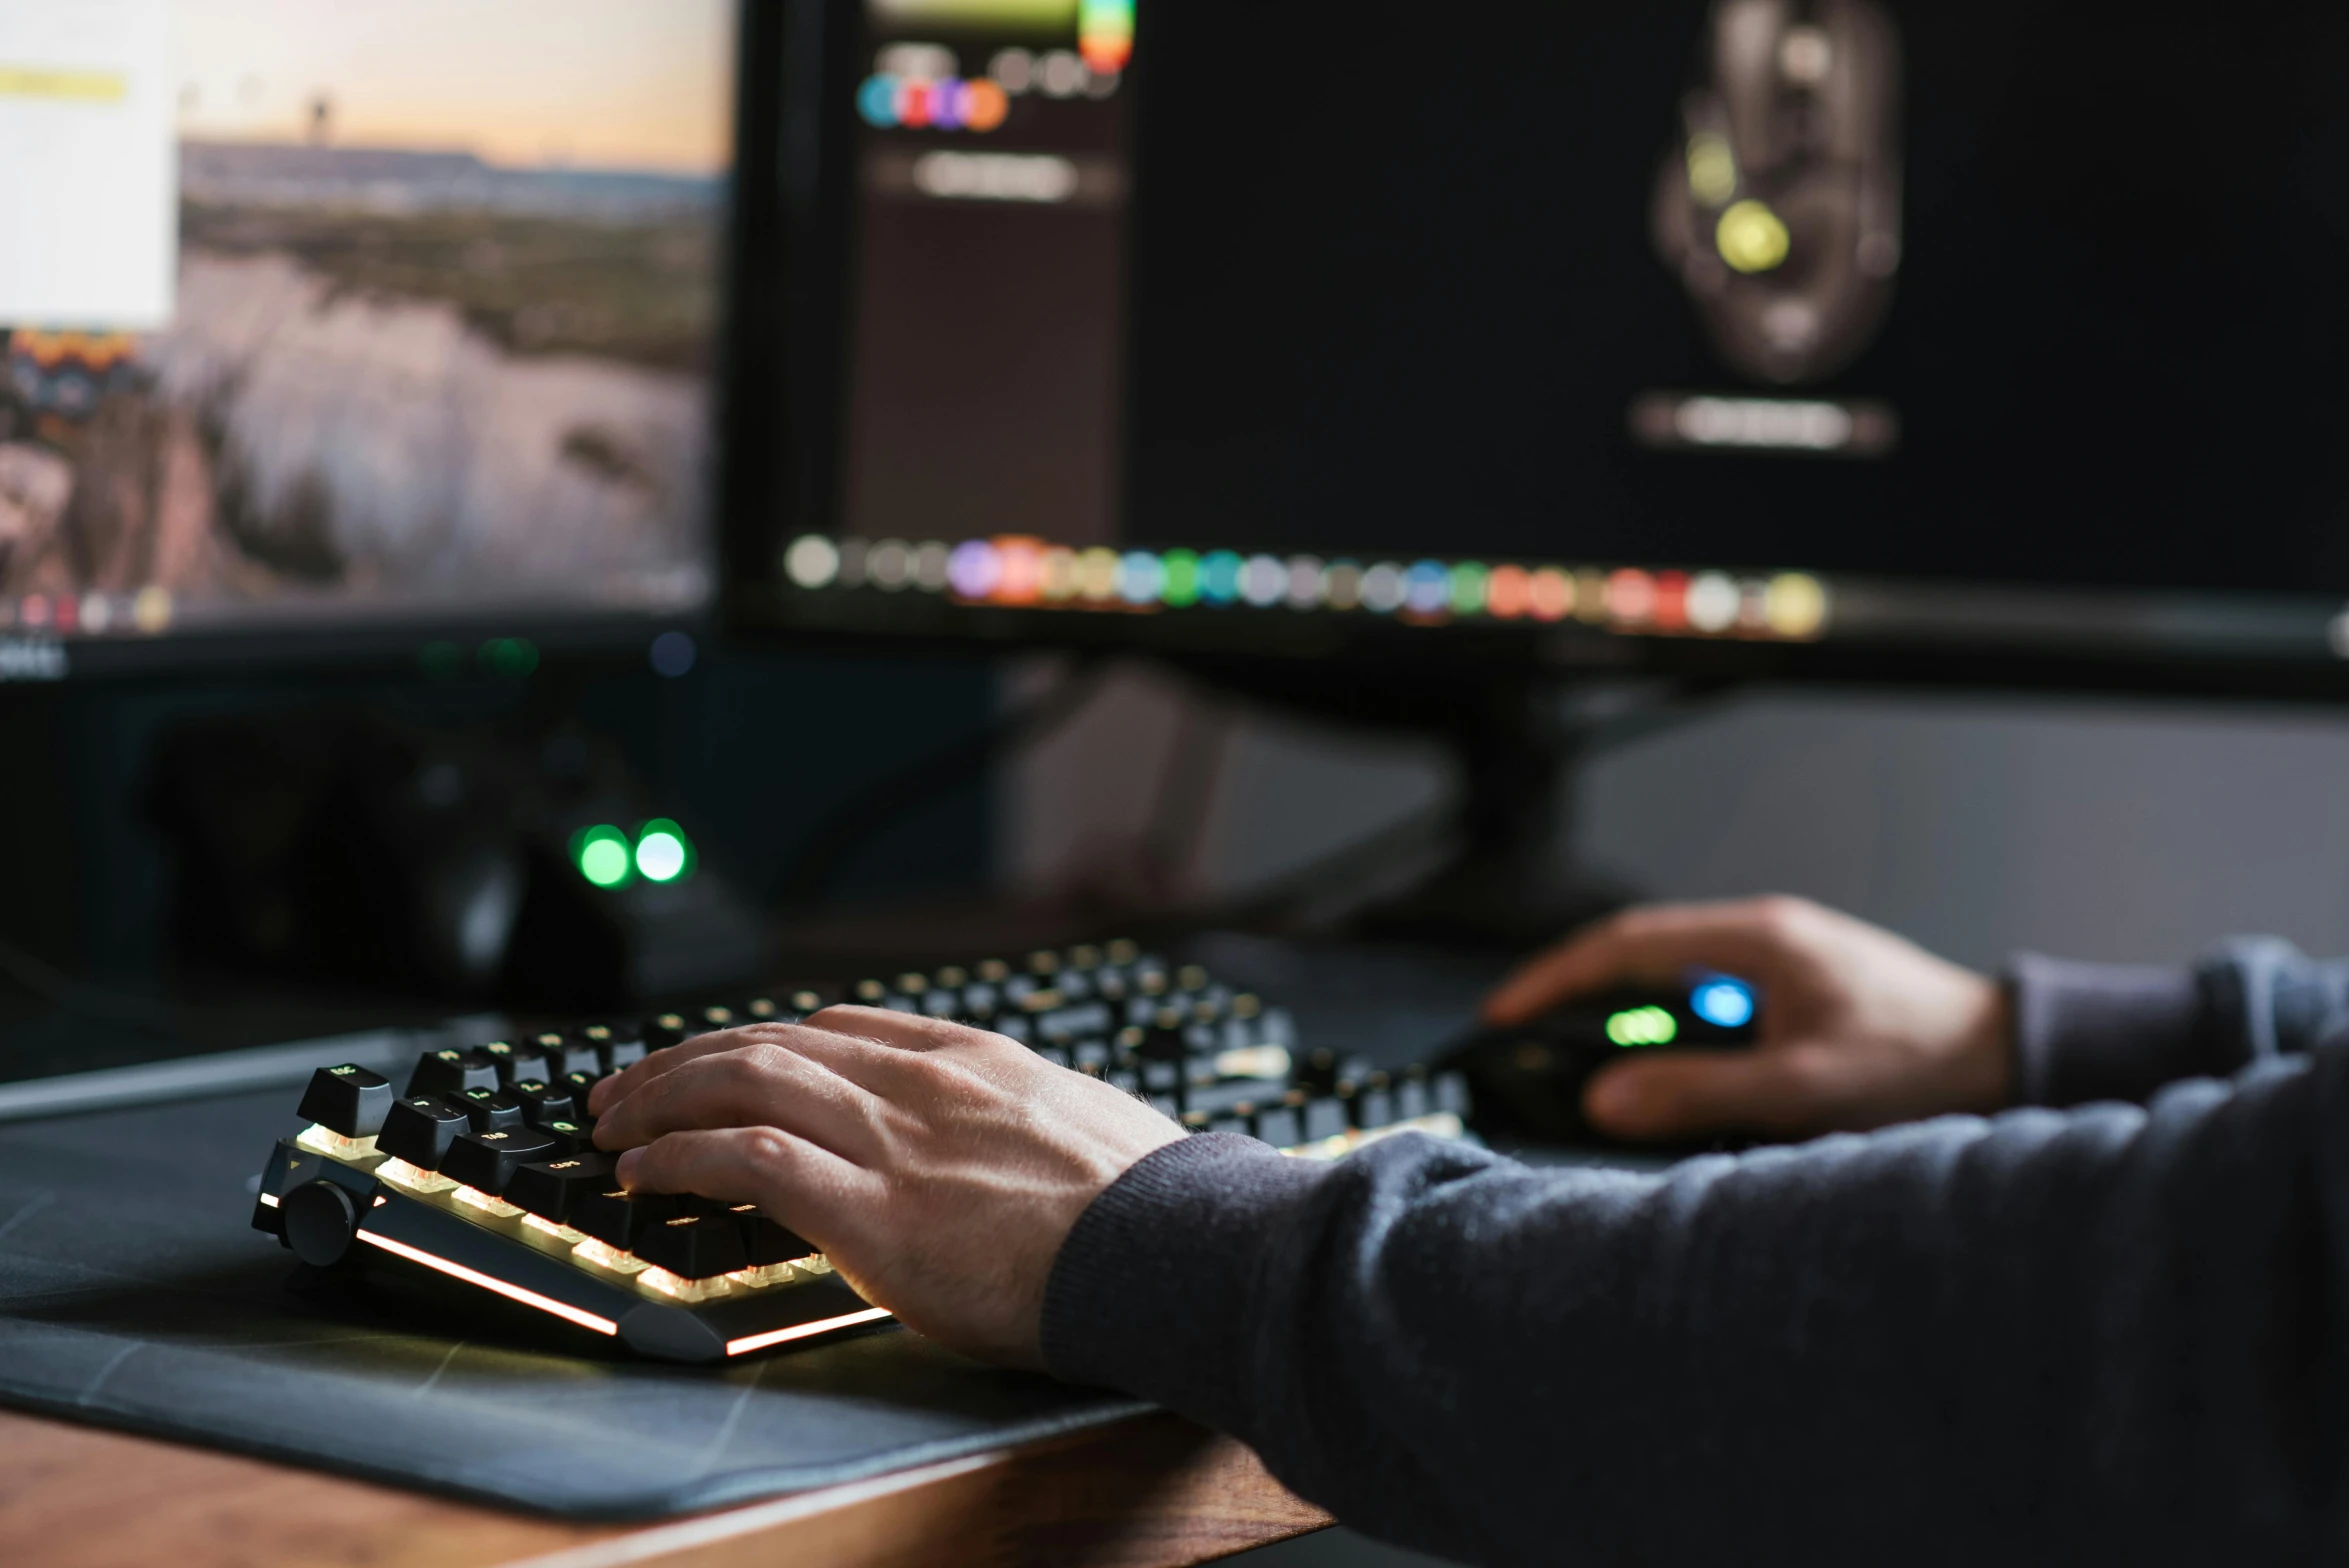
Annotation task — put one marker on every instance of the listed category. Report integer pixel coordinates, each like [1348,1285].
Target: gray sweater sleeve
[2103,1336]
[2118,1334]
[2088,1032]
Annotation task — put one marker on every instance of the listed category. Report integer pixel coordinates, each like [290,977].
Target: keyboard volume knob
[320,1223]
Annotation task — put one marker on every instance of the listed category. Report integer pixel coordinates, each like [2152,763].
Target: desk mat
[134,1294]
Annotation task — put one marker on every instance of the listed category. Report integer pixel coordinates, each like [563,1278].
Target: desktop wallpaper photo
[447,291]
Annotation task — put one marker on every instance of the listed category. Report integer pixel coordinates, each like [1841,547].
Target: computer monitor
[390,325]
[1851,338]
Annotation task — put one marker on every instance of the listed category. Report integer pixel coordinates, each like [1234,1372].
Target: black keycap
[572,1136]
[1086,1022]
[1233,1095]
[765,1243]
[542,1103]
[1279,1128]
[518,1063]
[571,1053]
[486,1161]
[490,1110]
[1412,1100]
[621,1049]
[420,1128]
[551,1188]
[452,1072]
[1325,1118]
[620,1219]
[581,1086]
[1451,1093]
[694,1246]
[1374,1108]
[668,1029]
[348,1100]
[1231,1124]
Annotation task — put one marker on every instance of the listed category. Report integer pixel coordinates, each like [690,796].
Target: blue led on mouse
[1723,1002]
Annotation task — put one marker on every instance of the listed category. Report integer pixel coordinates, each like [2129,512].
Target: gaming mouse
[1528,1080]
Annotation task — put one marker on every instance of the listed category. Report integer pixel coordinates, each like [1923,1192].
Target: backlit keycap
[348,1100]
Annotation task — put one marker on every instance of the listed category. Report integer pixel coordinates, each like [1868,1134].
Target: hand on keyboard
[938,1166]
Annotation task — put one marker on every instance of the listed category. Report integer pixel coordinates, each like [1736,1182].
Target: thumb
[1686,1094]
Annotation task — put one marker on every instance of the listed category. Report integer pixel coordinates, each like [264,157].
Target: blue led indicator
[1725,1004]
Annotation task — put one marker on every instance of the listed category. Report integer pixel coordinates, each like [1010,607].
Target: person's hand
[939,1167]
[1859,1029]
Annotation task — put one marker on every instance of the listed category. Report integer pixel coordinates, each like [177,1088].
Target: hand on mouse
[939,1167]
[1859,1028]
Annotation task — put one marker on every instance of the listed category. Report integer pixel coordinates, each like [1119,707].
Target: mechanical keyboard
[482,1168]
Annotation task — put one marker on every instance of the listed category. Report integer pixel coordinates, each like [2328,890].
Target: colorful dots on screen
[888,102]
[1019,571]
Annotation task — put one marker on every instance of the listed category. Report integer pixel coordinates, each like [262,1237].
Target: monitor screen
[1758,322]
[379,314]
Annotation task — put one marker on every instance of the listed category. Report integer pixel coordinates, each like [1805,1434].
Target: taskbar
[1788,606]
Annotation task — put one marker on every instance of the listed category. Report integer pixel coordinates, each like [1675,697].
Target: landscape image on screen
[447,303]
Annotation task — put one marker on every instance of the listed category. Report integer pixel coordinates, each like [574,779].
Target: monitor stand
[1506,877]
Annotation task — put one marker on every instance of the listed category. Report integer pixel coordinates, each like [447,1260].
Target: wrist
[1989,1051]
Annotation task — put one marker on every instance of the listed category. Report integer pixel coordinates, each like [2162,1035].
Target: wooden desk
[1149,1493]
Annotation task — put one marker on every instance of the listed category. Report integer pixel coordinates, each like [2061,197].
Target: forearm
[2090,1032]
[2084,1336]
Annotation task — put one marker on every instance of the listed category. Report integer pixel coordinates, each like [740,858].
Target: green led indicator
[1470,581]
[512,657]
[1181,589]
[602,856]
[1643,1026]
[663,852]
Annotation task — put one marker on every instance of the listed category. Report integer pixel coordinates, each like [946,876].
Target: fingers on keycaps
[348,1100]
[420,1128]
